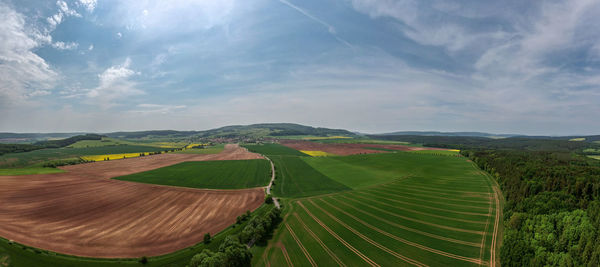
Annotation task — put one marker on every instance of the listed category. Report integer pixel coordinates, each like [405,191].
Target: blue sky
[529,67]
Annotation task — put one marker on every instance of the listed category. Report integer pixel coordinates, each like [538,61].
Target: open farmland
[351,148]
[295,178]
[222,174]
[81,212]
[206,150]
[273,149]
[433,210]
[12,160]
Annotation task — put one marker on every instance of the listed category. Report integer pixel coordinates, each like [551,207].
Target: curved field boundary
[424,206]
[402,240]
[462,195]
[411,229]
[418,205]
[308,257]
[393,253]
[316,238]
[430,196]
[487,223]
[424,213]
[496,192]
[356,251]
[422,200]
[436,190]
[427,223]
[285,255]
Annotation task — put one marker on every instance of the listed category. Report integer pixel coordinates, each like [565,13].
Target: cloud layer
[367,65]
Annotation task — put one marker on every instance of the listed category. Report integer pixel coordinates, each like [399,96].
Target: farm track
[372,242]
[374,191]
[316,238]
[454,196]
[402,240]
[82,212]
[306,254]
[285,254]
[411,229]
[436,190]
[336,236]
[430,196]
[418,205]
[417,212]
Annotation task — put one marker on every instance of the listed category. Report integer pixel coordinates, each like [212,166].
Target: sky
[527,67]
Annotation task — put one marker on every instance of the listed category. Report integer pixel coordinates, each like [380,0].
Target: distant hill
[435,133]
[273,130]
[236,131]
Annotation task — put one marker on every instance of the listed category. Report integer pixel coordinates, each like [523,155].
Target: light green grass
[26,171]
[273,149]
[219,174]
[207,150]
[295,178]
[595,157]
[410,204]
[363,170]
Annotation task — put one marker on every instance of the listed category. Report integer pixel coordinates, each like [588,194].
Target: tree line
[235,249]
[552,210]
[18,148]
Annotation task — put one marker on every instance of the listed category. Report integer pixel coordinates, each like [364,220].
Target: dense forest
[552,211]
[17,148]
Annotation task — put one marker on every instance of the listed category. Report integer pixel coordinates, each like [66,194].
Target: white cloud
[23,73]
[90,5]
[156,108]
[115,85]
[61,14]
[329,27]
[64,8]
[91,47]
[65,46]
[119,35]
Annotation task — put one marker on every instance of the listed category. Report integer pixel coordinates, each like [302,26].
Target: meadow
[405,209]
[221,174]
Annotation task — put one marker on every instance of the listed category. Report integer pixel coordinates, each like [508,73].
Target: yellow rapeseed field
[113,156]
[316,153]
[193,145]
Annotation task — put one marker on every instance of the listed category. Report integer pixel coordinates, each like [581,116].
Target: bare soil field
[114,168]
[82,212]
[349,149]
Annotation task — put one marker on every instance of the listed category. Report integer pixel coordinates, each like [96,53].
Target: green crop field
[295,178]
[412,209]
[207,150]
[26,171]
[106,141]
[24,256]
[273,149]
[220,174]
[30,158]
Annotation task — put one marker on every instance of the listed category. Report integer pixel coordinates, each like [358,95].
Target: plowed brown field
[82,212]
[348,149]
